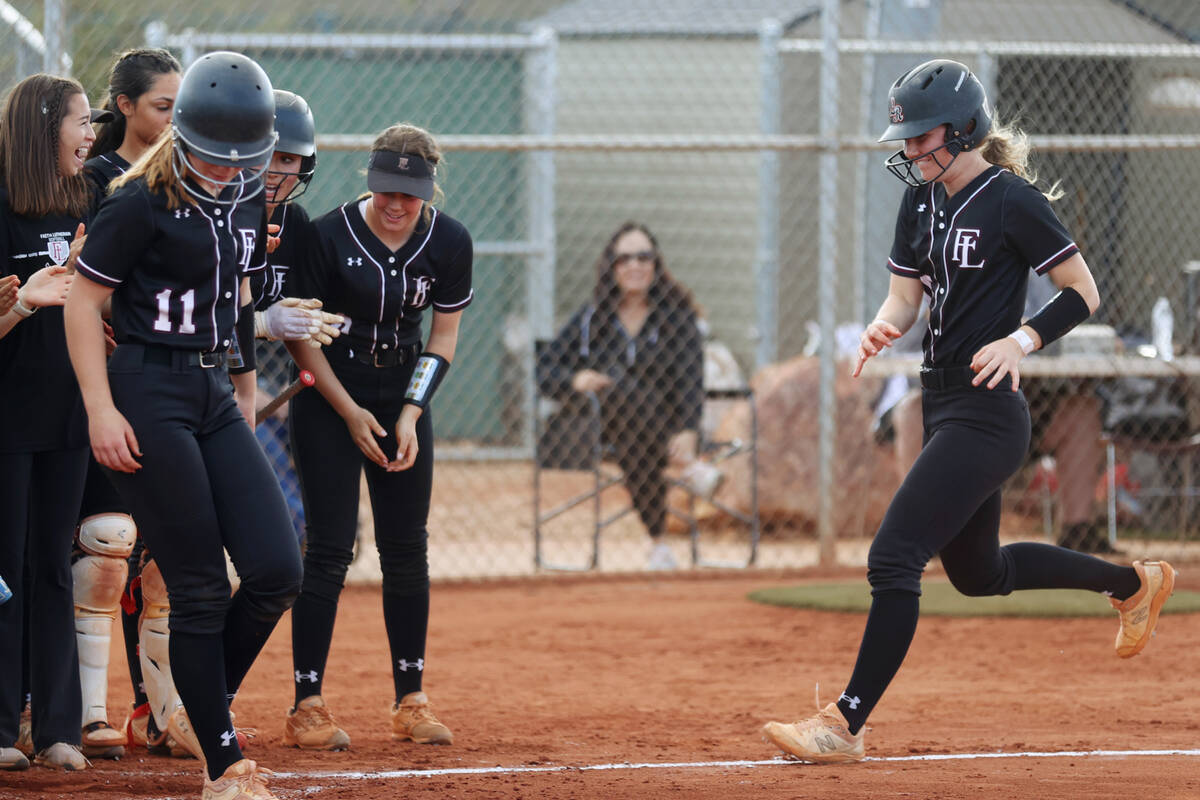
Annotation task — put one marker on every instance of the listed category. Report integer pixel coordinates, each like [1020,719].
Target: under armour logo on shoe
[310,676]
[853,701]
[418,665]
[228,738]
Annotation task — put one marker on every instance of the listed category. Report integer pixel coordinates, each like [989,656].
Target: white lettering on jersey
[249,235]
[965,240]
[58,250]
[420,290]
[278,273]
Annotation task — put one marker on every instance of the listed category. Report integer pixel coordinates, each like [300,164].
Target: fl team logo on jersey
[965,242]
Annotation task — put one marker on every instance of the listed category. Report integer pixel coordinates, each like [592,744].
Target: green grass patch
[942,599]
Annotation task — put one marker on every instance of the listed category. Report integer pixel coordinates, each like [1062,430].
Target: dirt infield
[577,680]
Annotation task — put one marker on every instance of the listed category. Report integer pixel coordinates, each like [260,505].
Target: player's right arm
[895,316]
[111,435]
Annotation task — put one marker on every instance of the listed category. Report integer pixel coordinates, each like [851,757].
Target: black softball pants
[39,500]
[641,454]
[949,504]
[330,467]
[205,487]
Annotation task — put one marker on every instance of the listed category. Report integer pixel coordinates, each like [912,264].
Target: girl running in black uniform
[970,228]
[172,246]
[380,261]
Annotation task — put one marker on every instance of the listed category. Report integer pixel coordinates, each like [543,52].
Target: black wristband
[241,359]
[426,377]
[1064,311]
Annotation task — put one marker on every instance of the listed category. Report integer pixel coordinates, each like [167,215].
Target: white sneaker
[661,557]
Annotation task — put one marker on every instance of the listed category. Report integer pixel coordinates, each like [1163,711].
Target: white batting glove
[329,327]
[289,320]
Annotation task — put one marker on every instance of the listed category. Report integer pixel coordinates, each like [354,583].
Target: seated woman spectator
[637,346]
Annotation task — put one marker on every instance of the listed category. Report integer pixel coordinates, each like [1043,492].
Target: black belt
[947,377]
[174,357]
[385,356]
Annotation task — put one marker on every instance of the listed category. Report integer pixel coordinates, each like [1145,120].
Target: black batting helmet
[225,115]
[938,92]
[297,135]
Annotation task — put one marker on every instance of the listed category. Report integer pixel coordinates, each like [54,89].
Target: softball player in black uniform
[44,135]
[380,262]
[141,95]
[172,246]
[969,230]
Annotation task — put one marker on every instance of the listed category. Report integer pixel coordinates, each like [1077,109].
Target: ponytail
[1007,146]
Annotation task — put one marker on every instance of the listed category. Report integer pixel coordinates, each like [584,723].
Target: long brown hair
[29,138]
[665,290]
[1007,146]
[404,137]
[155,165]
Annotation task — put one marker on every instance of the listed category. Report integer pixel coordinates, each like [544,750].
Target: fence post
[827,286]
[52,58]
[767,260]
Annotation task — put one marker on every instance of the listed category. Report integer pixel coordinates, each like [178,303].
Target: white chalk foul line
[434,773]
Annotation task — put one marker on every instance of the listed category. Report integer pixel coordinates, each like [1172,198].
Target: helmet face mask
[297,136]
[224,115]
[936,93]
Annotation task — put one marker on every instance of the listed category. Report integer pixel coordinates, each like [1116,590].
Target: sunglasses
[625,258]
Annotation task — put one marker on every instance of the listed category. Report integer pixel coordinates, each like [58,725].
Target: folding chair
[1184,451]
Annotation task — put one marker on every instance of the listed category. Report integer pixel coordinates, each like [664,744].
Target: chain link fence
[742,135]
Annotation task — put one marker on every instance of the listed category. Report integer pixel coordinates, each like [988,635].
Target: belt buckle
[205,363]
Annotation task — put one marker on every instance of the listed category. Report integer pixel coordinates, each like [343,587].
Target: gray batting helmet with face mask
[938,92]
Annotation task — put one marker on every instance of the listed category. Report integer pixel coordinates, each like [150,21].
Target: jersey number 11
[187,300]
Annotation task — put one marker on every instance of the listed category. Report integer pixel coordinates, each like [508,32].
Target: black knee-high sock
[198,666]
[313,616]
[246,632]
[1045,566]
[891,623]
[129,626]
[407,621]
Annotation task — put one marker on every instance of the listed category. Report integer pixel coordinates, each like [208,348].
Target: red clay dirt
[582,672]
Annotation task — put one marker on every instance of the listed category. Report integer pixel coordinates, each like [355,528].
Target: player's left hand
[110,343]
[245,404]
[995,360]
[406,439]
[8,292]
[272,239]
[76,247]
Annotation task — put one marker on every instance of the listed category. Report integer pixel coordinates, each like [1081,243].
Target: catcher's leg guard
[99,571]
[154,640]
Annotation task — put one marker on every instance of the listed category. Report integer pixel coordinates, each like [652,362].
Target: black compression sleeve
[1064,311]
[243,332]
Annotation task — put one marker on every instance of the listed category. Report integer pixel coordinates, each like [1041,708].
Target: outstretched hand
[878,335]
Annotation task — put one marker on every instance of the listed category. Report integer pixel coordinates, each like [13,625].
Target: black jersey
[269,286]
[383,293]
[40,404]
[972,253]
[177,272]
[101,171]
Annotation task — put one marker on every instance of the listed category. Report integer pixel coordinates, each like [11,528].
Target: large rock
[786,395]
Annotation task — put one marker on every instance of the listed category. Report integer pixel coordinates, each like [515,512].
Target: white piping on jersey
[116,166]
[456,306]
[216,274]
[80,264]
[903,268]
[378,266]
[945,266]
[1038,268]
